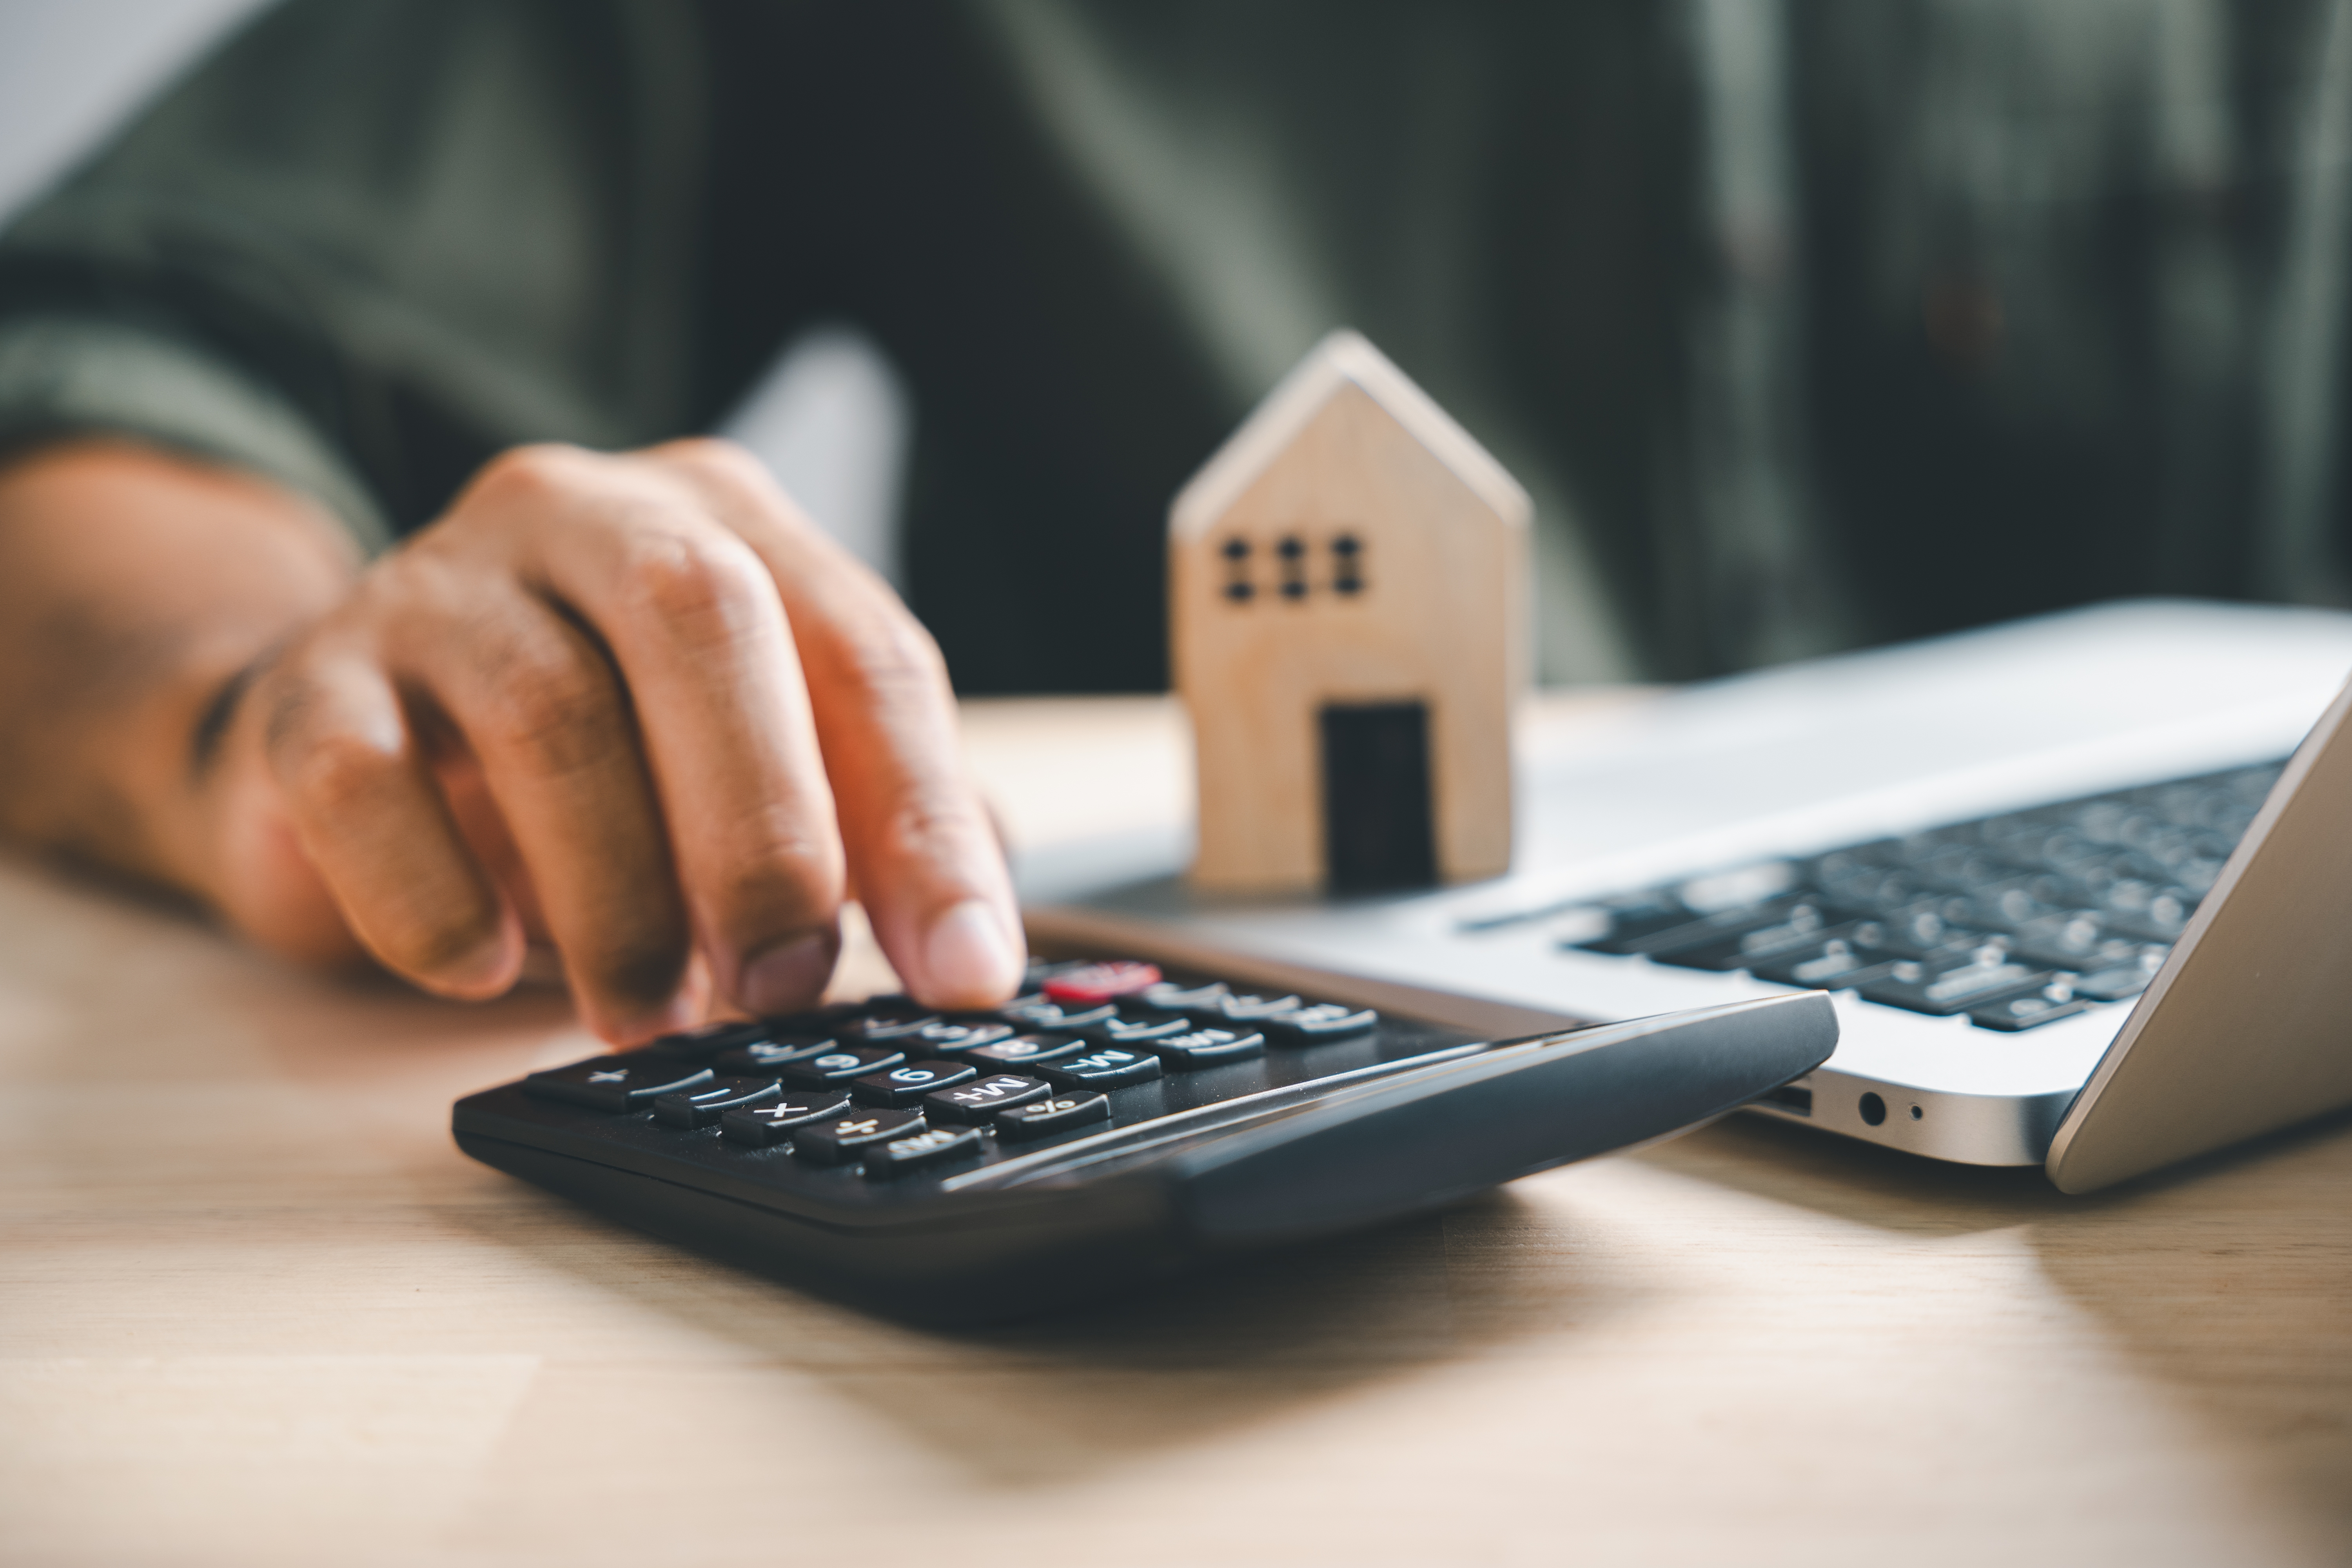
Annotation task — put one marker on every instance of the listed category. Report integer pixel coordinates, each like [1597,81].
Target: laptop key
[2034,1008]
[2116,985]
[1625,920]
[1724,924]
[1983,978]
[1805,930]
[1839,963]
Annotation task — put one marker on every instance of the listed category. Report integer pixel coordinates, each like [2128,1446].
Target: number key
[841,1066]
[1022,1050]
[904,1085]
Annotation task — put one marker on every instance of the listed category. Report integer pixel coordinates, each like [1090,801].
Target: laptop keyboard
[2013,921]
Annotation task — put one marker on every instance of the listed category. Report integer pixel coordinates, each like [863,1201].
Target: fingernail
[790,975]
[966,958]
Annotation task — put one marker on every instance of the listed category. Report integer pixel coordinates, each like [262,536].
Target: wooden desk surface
[255,1309]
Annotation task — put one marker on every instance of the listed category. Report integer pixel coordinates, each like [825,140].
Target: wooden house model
[1347,594]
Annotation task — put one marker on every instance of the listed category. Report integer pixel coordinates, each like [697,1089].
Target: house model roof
[1343,358]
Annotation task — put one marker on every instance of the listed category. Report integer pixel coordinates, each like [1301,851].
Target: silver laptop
[2081,886]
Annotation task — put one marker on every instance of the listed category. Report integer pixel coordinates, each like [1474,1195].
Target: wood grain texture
[255,1310]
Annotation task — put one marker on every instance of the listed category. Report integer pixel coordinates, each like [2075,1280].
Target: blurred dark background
[1811,323]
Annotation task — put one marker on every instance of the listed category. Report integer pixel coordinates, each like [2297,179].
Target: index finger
[925,860]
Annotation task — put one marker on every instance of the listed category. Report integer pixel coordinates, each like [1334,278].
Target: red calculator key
[1095,983]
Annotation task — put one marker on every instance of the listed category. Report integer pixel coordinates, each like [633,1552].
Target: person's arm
[636,702]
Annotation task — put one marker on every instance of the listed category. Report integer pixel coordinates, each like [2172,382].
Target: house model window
[1348,581]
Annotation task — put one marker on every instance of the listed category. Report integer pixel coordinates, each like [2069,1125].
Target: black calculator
[1112,1126]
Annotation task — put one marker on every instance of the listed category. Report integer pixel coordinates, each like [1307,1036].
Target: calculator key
[1169,997]
[1105,1067]
[946,1037]
[1030,1012]
[705,1103]
[929,1147]
[904,1085]
[1023,1049]
[617,1083]
[841,1065]
[1207,1047]
[1317,1022]
[1136,1031]
[980,1101]
[1044,1118]
[1041,970]
[764,1126]
[1094,983]
[775,1053]
[886,1024]
[838,1140]
[701,1045]
[1240,1009]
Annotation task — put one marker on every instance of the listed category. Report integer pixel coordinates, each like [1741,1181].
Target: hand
[640,703]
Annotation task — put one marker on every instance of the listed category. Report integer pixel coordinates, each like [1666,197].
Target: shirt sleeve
[367,243]
[65,376]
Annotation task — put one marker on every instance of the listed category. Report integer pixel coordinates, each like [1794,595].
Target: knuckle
[719,459]
[701,583]
[890,663]
[331,769]
[527,474]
